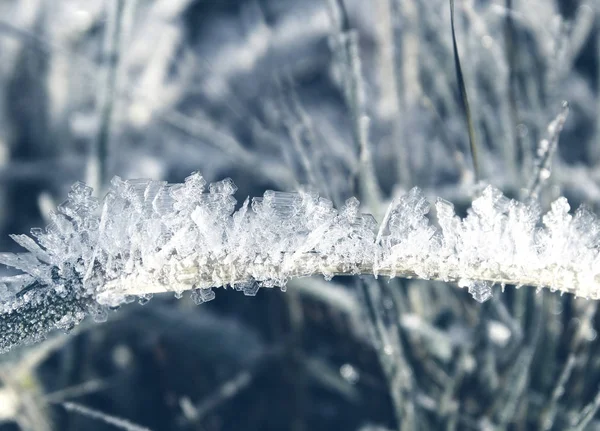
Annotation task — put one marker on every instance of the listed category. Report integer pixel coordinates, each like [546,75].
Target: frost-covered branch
[148,237]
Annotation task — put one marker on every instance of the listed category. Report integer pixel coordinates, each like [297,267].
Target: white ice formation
[148,237]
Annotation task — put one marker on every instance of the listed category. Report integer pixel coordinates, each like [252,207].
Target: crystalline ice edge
[148,237]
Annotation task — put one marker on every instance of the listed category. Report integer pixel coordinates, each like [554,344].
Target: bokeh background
[343,97]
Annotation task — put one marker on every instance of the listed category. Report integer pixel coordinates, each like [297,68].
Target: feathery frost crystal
[148,237]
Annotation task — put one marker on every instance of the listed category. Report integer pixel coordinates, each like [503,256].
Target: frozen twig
[345,46]
[149,237]
[99,162]
[549,414]
[119,423]
[546,149]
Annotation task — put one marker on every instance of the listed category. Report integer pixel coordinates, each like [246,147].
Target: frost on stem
[148,237]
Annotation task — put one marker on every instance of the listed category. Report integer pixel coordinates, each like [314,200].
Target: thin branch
[115,421]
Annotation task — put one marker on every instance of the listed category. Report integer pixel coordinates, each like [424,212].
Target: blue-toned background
[271,93]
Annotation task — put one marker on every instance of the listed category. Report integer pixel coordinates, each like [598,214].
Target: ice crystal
[481,291]
[148,237]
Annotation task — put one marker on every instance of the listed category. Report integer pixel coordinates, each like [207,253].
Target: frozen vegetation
[439,273]
[149,237]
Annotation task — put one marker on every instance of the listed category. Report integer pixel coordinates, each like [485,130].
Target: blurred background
[343,97]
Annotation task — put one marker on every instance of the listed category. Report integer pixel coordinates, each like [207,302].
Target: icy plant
[148,237]
[351,98]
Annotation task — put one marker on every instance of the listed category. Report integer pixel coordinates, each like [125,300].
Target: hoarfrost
[148,237]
